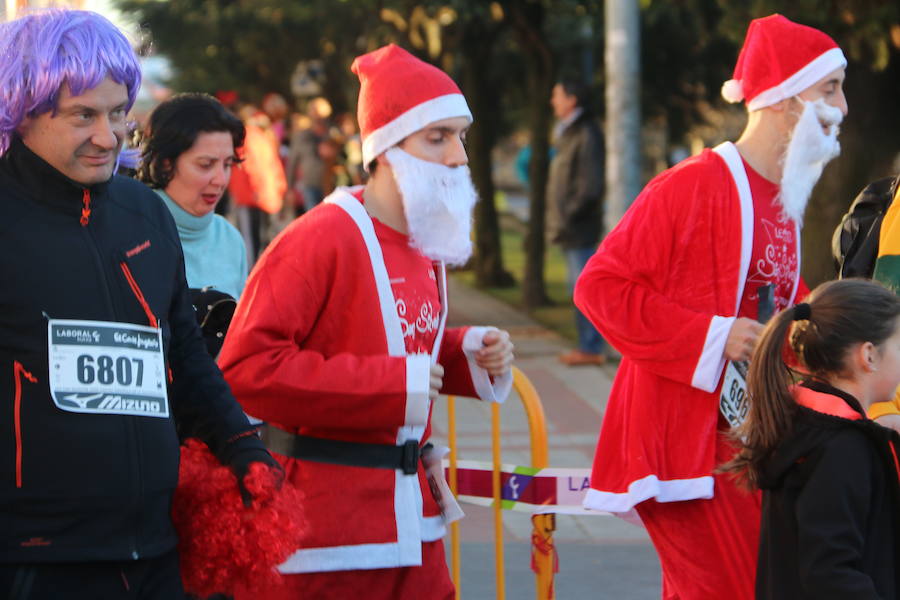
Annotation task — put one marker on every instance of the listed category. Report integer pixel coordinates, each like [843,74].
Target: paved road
[600,556]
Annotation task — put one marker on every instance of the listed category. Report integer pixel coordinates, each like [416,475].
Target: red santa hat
[399,95]
[779,60]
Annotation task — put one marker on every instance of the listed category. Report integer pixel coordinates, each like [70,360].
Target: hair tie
[802,312]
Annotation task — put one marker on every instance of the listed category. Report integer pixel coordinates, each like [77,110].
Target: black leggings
[148,579]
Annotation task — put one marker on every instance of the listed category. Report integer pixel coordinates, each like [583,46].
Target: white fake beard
[808,151]
[438,202]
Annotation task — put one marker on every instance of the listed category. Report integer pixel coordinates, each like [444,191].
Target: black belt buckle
[410,457]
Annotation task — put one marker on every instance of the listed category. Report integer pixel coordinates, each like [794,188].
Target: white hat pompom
[732,91]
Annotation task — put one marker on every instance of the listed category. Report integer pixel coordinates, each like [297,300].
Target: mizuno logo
[117,403]
[82,401]
[112,403]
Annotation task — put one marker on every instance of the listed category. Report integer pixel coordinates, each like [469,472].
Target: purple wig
[42,51]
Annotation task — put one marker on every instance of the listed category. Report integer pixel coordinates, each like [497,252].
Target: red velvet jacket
[664,288]
[316,347]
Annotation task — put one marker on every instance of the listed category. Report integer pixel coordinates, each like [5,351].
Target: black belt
[336,452]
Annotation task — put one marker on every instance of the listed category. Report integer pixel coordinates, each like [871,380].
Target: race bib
[733,401]
[107,368]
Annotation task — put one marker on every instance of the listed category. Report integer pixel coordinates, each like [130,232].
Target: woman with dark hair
[829,475]
[187,158]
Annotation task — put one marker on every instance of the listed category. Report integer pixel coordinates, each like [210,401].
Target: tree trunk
[477,48]
[623,108]
[527,19]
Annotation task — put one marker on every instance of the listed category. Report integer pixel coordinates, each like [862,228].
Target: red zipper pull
[86,207]
[136,289]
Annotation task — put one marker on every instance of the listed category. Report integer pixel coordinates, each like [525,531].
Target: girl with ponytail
[831,495]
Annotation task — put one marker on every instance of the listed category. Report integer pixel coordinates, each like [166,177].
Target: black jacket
[575,185]
[88,487]
[831,511]
[854,244]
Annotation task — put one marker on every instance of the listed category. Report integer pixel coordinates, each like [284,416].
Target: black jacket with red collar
[831,505]
[91,487]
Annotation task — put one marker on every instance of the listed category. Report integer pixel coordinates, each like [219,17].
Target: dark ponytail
[839,315]
[771,404]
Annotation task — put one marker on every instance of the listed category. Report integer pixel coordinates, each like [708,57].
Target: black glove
[240,463]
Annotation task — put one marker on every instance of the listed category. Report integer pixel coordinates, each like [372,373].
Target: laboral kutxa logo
[78,334]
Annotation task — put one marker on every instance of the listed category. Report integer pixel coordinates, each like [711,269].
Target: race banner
[524,489]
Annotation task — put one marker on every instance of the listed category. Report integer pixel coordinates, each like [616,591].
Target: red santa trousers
[707,548]
[431,581]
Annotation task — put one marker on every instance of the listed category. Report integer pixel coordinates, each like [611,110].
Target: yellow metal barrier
[543,525]
[454,487]
[499,571]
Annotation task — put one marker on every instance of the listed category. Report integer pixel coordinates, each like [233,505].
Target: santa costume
[332,345]
[664,288]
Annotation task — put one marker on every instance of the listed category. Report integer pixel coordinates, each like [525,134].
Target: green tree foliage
[685,58]
[506,55]
[252,46]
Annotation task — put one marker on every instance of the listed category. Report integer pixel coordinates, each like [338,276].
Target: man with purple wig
[102,366]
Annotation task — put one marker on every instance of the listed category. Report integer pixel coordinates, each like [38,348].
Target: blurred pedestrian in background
[188,158]
[258,185]
[575,200]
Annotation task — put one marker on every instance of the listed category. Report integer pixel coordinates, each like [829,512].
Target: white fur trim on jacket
[405,552]
[815,70]
[418,384]
[393,331]
[440,272]
[433,528]
[487,391]
[673,490]
[712,359]
[794,297]
[392,133]
[735,164]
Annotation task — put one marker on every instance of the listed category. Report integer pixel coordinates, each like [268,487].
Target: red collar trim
[827,404]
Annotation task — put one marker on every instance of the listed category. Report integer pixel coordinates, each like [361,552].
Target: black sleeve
[587,177]
[832,511]
[203,405]
[854,244]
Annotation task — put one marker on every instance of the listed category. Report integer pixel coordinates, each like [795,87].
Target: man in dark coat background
[575,200]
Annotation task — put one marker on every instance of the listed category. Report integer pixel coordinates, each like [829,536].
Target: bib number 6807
[108,371]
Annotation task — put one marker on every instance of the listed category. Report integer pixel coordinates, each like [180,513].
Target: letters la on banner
[524,489]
